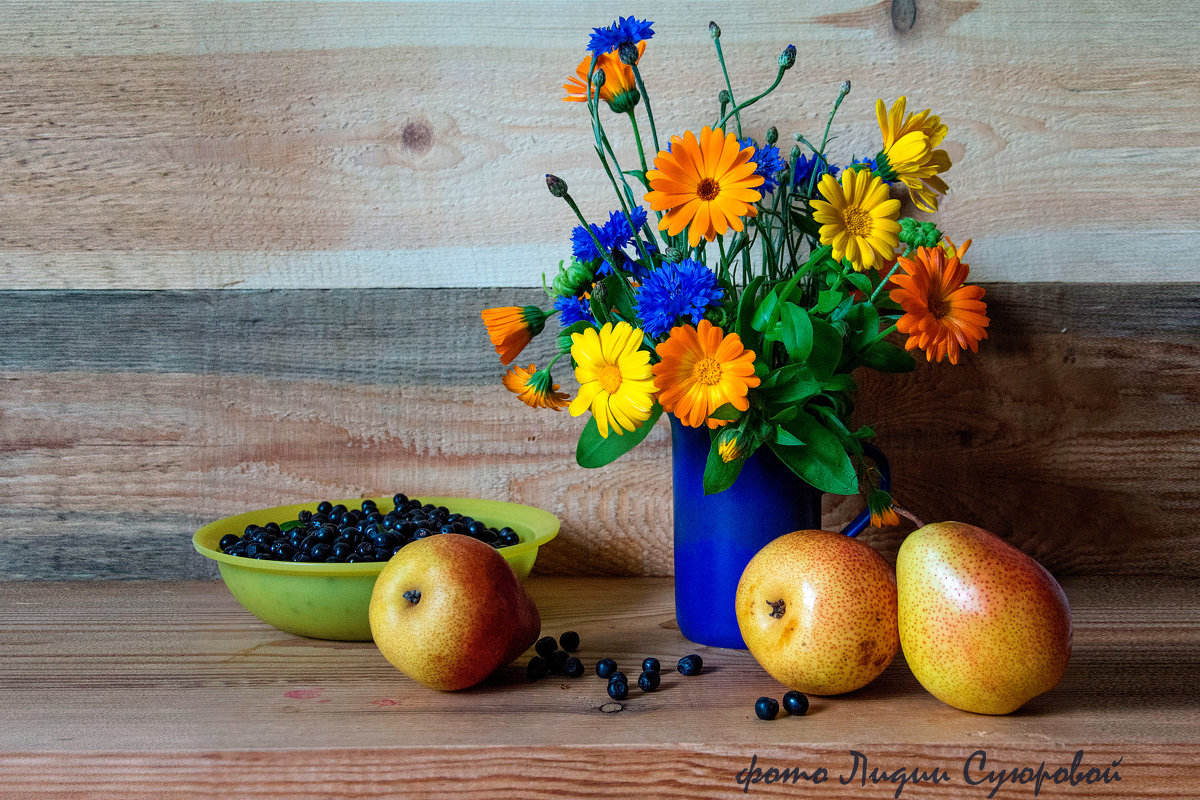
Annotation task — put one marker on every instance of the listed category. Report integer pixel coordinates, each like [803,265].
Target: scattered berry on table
[691,664]
[606,667]
[795,703]
[573,668]
[558,661]
[618,676]
[545,646]
[766,708]
[537,668]
[651,665]
[649,680]
[618,689]
[569,641]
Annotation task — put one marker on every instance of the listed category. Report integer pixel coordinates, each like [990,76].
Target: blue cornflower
[769,163]
[625,29]
[672,291]
[583,247]
[574,309]
[806,165]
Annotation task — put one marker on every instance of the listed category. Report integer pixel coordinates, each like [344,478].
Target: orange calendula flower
[619,89]
[534,388]
[512,327]
[701,370]
[705,185]
[941,315]
[858,218]
[908,153]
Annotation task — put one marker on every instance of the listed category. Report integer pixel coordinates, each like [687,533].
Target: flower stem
[751,101]
[637,137]
[637,76]
[729,88]
[812,181]
[883,283]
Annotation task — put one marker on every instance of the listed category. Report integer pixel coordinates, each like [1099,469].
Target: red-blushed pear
[448,611]
[818,612]
[984,627]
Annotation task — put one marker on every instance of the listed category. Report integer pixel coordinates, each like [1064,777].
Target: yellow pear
[984,627]
[448,611]
[818,612]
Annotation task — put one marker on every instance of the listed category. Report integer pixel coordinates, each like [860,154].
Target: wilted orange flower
[512,327]
[534,389]
[941,315]
[619,89]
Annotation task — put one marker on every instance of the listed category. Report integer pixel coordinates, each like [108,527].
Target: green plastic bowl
[330,601]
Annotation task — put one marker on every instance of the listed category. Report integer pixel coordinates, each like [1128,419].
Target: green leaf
[840,382]
[797,332]
[796,389]
[620,296]
[826,350]
[745,312]
[594,450]
[786,438]
[861,281]
[887,357]
[821,461]
[726,412]
[828,300]
[785,415]
[765,313]
[718,475]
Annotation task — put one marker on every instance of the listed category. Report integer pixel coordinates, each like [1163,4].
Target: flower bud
[598,78]
[788,57]
[628,52]
[564,342]
[714,30]
[795,152]
[572,279]
[845,88]
[674,255]
[772,135]
[724,96]
[556,185]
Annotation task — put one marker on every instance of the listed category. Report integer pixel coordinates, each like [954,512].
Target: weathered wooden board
[144,690]
[289,144]
[127,419]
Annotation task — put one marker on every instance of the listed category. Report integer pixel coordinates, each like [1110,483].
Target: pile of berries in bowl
[335,534]
[309,569]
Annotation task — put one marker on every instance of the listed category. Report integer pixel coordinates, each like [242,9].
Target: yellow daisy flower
[908,153]
[534,388]
[704,185]
[614,377]
[701,370]
[858,218]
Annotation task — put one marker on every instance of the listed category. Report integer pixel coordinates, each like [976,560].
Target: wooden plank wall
[243,247]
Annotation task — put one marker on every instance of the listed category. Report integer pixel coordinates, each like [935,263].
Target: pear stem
[904,512]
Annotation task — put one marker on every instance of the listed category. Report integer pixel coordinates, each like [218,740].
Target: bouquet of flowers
[739,288]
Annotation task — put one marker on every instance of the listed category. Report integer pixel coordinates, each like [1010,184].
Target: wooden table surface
[156,689]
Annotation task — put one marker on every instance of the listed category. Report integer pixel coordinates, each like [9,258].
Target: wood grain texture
[141,689]
[266,144]
[129,419]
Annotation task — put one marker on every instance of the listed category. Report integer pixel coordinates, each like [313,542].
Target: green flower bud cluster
[919,234]
[572,280]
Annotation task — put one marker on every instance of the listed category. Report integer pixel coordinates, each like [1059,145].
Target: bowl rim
[544,527]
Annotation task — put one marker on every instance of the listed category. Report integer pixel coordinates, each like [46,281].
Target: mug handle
[859,523]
